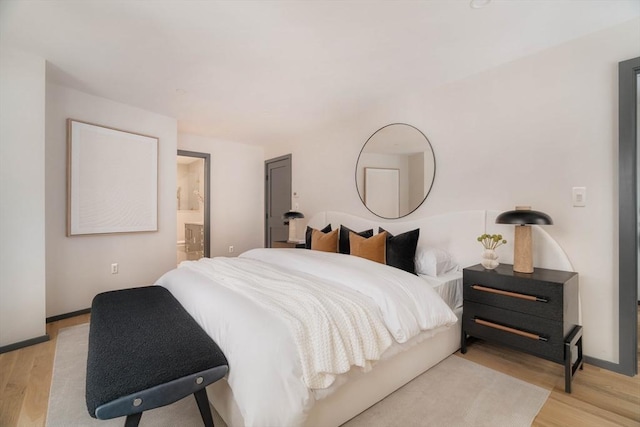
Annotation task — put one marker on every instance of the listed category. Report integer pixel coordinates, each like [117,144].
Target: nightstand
[536,313]
[288,244]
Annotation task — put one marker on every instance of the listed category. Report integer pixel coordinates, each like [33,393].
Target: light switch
[579,196]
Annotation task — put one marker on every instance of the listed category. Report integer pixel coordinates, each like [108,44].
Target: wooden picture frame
[112,180]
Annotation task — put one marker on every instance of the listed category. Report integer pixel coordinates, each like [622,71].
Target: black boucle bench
[146,351]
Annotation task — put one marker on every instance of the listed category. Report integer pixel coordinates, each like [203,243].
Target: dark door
[277,198]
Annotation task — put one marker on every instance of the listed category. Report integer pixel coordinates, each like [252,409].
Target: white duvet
[289,321]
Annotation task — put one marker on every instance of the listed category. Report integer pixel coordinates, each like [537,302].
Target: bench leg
[203,406]
[133,420]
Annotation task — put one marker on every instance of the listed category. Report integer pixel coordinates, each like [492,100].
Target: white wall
[78,267]
[237,193]
[523,133]
[22,197]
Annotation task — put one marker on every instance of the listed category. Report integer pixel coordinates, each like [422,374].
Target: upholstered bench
[146,351]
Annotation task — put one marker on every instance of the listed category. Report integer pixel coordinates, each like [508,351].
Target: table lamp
[291,217]
[523,217]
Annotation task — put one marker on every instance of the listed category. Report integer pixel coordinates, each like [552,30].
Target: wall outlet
[230,249]
[114,268]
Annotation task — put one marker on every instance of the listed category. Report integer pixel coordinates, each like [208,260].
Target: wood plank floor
[599,398]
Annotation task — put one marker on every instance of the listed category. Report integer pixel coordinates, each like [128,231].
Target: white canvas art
[112,180]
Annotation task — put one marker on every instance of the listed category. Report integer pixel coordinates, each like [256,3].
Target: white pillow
[434,262]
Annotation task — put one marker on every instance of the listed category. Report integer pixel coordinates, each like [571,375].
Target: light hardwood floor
[599,398]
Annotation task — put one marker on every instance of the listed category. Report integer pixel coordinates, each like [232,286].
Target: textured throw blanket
[333,328]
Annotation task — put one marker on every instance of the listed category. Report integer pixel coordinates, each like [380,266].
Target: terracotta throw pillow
[307,235]
[344,247]
[373,248]
[325,242]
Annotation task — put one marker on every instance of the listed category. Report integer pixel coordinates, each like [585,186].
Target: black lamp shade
[292,215]
[524,217]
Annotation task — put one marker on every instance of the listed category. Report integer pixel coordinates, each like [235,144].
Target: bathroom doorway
[193,204]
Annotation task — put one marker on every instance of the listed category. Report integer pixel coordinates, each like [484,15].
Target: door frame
[628,216]
[207,195]
[267,194]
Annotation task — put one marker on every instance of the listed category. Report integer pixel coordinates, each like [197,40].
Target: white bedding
[266,371]
[333,328]
[448,286]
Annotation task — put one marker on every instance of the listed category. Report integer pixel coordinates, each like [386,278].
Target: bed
[271,383]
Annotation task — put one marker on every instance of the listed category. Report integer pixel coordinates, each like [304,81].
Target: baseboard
[604,364]
[68,315]
[26,343]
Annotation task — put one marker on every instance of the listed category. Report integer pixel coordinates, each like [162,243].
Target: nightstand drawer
[523,300]
[518,330]
[541,299]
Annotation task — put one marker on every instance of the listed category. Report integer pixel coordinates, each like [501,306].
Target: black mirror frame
[432,181]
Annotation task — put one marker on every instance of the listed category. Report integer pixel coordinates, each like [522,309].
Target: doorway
[277,199]
[193,204]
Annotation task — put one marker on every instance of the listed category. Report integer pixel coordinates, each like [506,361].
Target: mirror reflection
[395,170]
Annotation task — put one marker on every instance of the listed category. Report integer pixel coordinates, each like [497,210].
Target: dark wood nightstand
[288,244]
[533,312]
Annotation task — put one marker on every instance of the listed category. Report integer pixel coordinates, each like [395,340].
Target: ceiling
[269,71]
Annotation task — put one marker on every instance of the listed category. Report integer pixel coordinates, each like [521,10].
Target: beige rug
[455,392]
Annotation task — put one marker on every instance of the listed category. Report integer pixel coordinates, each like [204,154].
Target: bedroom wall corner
[78,267]
[237,192]
[22,197]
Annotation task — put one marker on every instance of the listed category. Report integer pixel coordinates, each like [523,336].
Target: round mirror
[395,170]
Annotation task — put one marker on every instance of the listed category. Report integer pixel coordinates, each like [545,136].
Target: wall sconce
[523,217]
[291,217]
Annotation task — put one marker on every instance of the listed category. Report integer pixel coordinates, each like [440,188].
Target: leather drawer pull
[511,330]
[509,294]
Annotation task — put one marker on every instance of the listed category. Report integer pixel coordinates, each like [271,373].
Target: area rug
[455,392]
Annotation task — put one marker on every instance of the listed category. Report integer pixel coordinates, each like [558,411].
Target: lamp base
[523,254]
[292,230]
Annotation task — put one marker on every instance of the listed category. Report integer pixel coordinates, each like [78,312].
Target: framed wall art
[112,180]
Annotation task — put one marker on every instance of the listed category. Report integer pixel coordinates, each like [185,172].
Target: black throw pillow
[401,249]
[307,235]
[344,246]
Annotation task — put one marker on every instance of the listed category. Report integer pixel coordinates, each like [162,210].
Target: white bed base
[454,232]
[363,391]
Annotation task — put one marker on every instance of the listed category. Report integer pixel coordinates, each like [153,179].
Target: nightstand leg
[574,339]
[567,367]
[463,342]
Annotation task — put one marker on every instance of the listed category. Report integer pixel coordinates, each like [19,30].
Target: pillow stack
[397,251]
